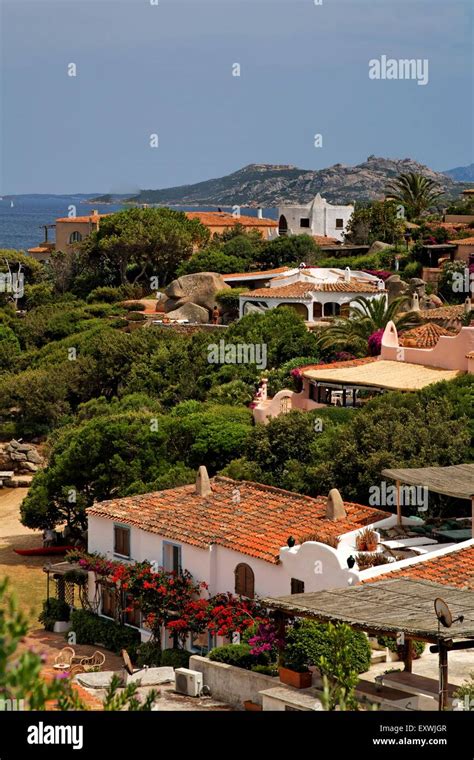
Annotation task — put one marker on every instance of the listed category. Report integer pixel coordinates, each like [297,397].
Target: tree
[288,250]
[213,259]
[376,221]
[366,317]
[415,192]
[142,243]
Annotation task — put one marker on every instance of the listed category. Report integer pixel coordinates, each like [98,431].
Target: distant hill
[272,185]
[461,173]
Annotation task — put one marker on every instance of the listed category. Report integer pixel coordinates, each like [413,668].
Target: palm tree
[415,192]
[365,318]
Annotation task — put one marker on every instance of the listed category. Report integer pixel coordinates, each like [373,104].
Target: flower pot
[61,626]
[252,706]
[295,679]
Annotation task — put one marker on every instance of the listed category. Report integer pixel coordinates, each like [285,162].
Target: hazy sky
[166,69]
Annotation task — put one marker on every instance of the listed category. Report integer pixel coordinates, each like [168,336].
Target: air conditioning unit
[188,682]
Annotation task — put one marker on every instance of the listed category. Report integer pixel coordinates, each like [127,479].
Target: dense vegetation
[124,412]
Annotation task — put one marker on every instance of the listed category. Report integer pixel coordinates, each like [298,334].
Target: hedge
[92,629]
[307,642]
[238,655]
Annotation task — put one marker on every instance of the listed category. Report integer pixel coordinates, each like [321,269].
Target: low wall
[230,684]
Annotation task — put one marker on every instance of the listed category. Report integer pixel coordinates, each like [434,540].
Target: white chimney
[203,484]
[415,302]
[347,274]
[467,305]
[259,213]
[335,506]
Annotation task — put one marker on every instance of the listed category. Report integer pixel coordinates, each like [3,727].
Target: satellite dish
[443,613]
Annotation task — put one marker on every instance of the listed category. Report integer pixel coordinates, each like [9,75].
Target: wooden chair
[64,659]
[94,662]
[76,669]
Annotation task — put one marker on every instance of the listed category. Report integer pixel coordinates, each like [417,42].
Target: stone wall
[232,685]
[20,457]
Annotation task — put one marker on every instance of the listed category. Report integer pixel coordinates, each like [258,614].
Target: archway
[282,225]
[300,309]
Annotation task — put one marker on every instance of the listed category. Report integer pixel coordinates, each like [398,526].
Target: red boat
[43,551]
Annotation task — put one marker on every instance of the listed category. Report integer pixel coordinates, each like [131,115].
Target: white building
[315,218]
[239,537]
[314,292]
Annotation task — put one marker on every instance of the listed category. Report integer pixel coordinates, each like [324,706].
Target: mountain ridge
[277,184]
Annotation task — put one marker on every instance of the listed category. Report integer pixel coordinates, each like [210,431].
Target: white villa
[314,292]
[251,539]
[315,218]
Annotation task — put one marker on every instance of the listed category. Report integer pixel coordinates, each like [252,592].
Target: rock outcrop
[193,290]
[20,457]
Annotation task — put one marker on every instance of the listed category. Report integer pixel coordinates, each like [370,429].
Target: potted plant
[367,540]
[55,615]
[294,660]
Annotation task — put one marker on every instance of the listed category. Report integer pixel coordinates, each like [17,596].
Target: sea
[22,217]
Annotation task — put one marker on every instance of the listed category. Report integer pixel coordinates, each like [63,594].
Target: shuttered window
[244,581]
[121,541]
[297,587]
[109,601]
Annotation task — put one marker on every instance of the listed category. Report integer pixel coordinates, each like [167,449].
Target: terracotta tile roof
[302,289]
[40,249]
[82,219]
[223,219]
[456,568]
[258,525]
[424,336]
[338,365]
[323,240]
[240,275]
[443,312]
[463,241]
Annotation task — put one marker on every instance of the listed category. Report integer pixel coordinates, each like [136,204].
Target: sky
[165,68]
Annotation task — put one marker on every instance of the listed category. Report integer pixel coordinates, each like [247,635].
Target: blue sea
[21,224]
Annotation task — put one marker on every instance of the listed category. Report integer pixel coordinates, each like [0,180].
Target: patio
[391,608]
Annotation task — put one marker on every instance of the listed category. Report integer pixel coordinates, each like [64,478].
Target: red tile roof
[258,525]
[302,289]
[456,568]
[323,240]
[223,219]
[424,336]
[463,241]
[82,219]
[443,312]
[337,365]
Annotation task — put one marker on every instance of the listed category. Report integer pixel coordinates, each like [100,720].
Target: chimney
[203,484]
[347,274]
[415,302]
[335,506]
[259,213]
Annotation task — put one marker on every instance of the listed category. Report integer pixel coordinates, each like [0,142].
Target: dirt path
[25,573]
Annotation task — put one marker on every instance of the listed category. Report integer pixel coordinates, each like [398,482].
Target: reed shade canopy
[456,480]
[388,608]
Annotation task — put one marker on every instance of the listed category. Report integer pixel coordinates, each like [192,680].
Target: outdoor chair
[64,659]
[94,662]
[76,669]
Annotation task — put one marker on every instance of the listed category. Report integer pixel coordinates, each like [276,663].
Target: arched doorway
[282,225]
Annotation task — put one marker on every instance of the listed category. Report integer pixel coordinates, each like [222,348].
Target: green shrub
[237,655]
[175,658]
[134,316]
[266,670]
[413,269]
[92,629]
[134,306]
[149,653]
[465,694]
[391,643]
[105,294]
[53,610]
[308,642]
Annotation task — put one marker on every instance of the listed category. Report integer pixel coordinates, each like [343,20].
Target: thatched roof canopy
[387,374]
[456,480]
[386,607]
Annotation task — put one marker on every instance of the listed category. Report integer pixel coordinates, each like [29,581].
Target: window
[133,614]
[244,581]
[109,601]
[304,222]
[121,541]
[339,224]
[75,237]
[172,557]
[297,587]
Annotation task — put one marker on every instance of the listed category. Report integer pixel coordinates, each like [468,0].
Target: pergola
[456,481]
[391,607]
